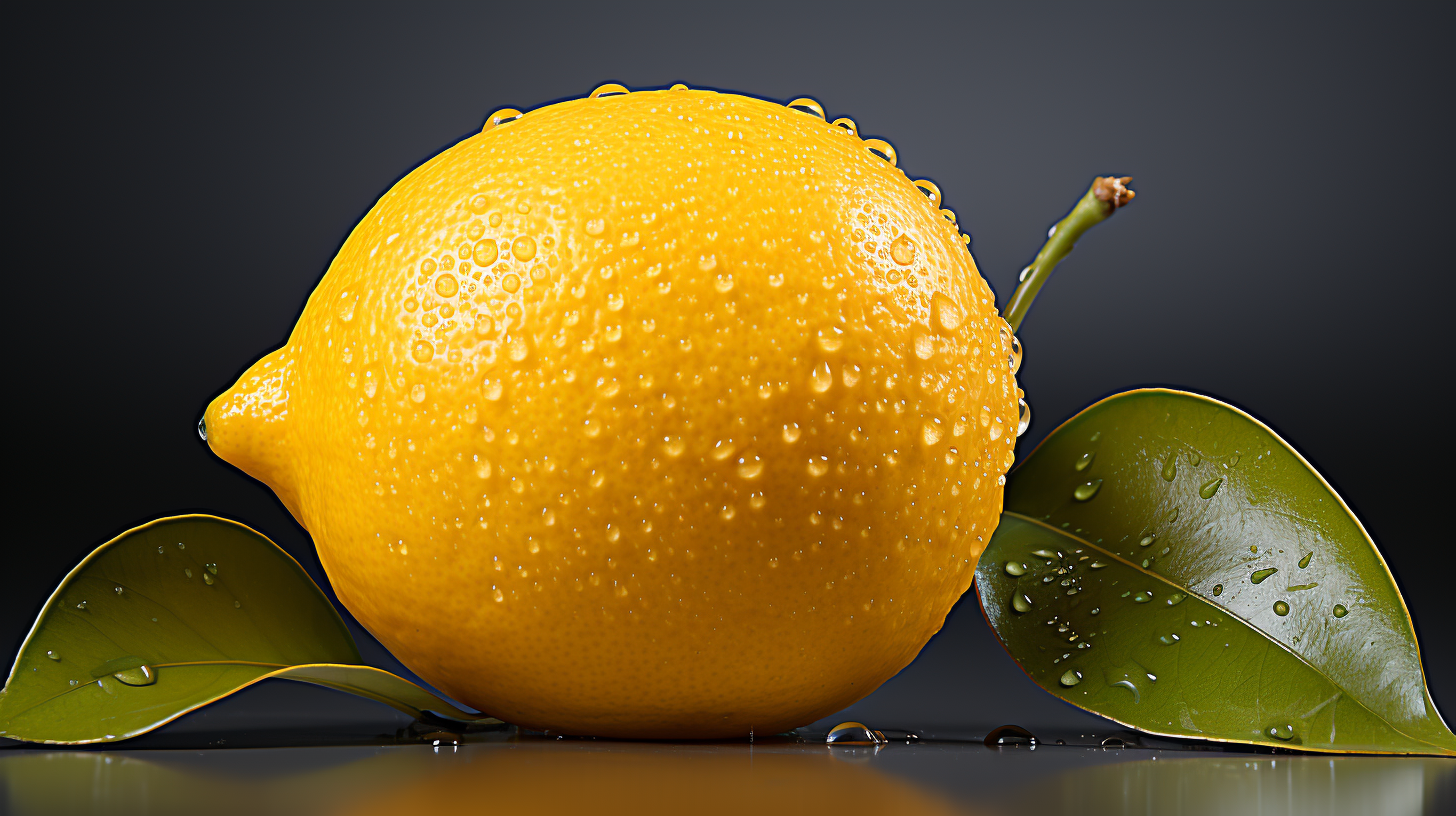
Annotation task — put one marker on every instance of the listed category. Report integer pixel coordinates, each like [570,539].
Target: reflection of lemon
[637,780]
[660,414]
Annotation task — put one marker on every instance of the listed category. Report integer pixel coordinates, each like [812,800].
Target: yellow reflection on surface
[509,774]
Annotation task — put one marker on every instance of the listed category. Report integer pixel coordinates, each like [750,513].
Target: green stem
[1106,194]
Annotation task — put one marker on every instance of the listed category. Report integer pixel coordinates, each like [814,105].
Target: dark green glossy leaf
[1216,560]
[171,616]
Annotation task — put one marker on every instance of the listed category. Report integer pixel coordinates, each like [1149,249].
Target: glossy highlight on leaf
[137,635]
[1210,618]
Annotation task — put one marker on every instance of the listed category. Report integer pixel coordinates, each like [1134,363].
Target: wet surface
[373,768]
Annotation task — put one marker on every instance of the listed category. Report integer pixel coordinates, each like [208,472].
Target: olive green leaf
[171,616]
[1167,561]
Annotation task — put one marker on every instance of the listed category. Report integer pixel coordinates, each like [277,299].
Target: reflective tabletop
[418,768]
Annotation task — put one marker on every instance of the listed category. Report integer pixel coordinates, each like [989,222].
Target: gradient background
[183,178]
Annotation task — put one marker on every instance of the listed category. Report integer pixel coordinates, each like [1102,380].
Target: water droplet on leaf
[139,676]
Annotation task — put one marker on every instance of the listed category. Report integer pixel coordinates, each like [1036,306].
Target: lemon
[656,414]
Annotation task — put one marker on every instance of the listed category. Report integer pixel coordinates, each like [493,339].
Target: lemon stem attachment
[1106,194]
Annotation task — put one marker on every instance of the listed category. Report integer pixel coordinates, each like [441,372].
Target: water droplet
[524,248]
[1341,611]
[806,105]
[1170,468]
[818,467]
[212,568]
[1304,562]
[1281,732]
[903,250]
[139,676]
[1097,565]
[1009,735]
[208,579]
[1087,490]
[1173,515]
[931,431]
[831,341]
[1175,599]
[1217,590]
[1142,596]
[423,352]
[187,571]
[924,346]
[202,428]
[1020,602]
[446,285]
[485,252]
[1168,640]
[853,733]
[1281,608]
[885,149]
[237,604]
[1015,568]
[1259,575]
[1047,554]
[948,316]
[1084,462]
[931,190]
[1209,488]
[1014,357]
[595,226]
[791,433]
[1071,677]
[1096,610]
[119,590]
[1147,540]
[1023,418]
[81,606]
[849,125]
[749,468]
[609,89]
[821,378]
[53,655]
[500,117]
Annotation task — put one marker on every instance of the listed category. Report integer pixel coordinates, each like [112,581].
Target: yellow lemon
[661,414]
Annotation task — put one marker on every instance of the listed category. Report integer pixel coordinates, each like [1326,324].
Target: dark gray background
[180,179]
